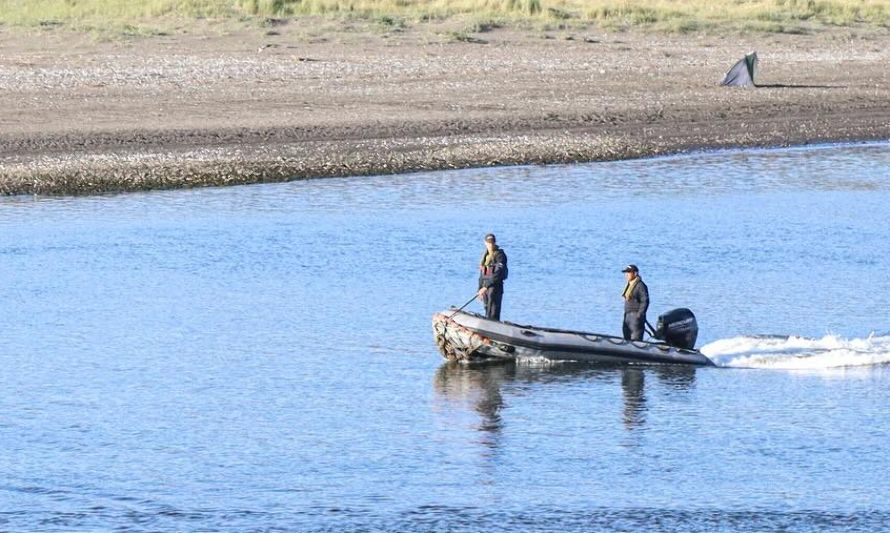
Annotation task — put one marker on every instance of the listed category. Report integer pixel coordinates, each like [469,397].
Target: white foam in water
[795,353]
[541,362]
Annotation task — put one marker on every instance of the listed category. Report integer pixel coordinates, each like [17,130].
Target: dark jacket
[495,272]
[638,303]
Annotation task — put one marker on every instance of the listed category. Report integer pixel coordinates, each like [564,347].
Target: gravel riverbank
[83,117]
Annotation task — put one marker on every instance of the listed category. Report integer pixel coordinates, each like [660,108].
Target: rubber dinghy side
[462,336]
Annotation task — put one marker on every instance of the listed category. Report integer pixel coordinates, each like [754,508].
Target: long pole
[461,308]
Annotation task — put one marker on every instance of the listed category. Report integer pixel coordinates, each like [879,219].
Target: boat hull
[463,336]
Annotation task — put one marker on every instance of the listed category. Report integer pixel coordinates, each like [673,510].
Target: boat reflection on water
[633,388]
[479,386]
[482,386]
[633,382]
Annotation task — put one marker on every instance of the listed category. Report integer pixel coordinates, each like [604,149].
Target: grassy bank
[151,16]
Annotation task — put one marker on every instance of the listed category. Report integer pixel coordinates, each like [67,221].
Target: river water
[261,358]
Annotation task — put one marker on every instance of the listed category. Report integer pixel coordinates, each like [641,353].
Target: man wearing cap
[492,273]
[636,302]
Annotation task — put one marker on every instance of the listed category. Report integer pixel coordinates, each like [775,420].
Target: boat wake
[799,353]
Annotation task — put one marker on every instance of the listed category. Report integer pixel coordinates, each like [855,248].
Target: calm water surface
[261,358]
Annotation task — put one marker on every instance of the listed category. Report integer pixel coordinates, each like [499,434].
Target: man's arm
[644,298]
[500,267]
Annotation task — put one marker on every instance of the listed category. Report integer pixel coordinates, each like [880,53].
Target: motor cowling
[678,328]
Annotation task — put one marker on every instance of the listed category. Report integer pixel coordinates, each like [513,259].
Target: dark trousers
[492,301]
[633,326]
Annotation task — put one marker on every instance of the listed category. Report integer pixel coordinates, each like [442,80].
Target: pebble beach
[83,116]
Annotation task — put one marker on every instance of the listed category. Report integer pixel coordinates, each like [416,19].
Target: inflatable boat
[468,337]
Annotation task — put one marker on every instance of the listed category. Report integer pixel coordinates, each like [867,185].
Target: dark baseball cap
[490,238]
[630,268]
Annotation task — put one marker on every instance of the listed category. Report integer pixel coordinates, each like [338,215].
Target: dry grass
[152,16]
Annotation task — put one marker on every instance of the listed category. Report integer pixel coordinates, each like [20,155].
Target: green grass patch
[152,16]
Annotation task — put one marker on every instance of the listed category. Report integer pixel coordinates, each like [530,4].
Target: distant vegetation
[152,16]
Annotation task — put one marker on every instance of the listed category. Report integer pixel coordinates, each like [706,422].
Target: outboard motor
[677,328]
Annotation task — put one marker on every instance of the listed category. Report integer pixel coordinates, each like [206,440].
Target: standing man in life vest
[636,302]
[492,273]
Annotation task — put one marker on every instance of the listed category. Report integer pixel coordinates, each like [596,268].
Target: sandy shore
[181,111]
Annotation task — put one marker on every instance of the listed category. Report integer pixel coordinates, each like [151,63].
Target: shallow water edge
[140,161]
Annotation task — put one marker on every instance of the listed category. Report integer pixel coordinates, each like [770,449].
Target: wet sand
[83,117]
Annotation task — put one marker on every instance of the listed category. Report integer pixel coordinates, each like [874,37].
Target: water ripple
[260,358]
